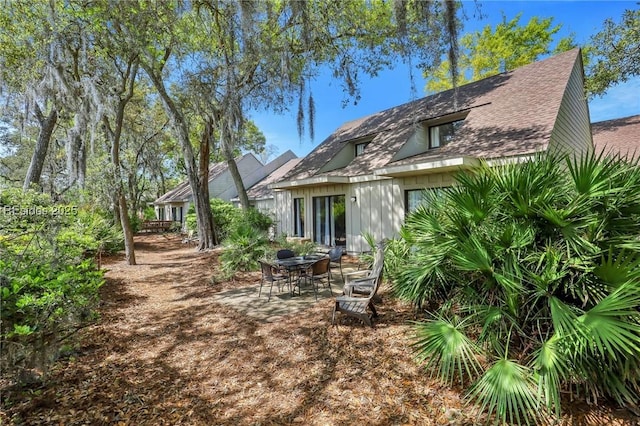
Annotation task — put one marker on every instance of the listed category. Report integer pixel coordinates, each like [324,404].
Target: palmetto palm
[531,274]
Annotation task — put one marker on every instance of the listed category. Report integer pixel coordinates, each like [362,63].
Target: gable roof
[510,114]
[620,136]
[261,190]
[182,192]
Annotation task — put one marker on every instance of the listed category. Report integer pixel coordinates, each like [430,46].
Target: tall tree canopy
[211,63]
[253,55]
[614,53]
[495,50]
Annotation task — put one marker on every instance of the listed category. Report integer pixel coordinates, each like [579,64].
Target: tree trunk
[199,189]
[115,136]
[233,170]
[42,145]
[237,180]
[129,250]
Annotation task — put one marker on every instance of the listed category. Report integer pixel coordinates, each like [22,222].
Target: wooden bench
[156,225]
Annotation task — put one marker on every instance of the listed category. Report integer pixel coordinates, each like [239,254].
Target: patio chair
[359,279]
[363,284]
[356,306]
[319,271]
[285,254]
[335,254]
[270,275]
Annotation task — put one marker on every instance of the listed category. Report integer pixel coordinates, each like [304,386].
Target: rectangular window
[414,198]
[360,147]
[298,217]
[442,134]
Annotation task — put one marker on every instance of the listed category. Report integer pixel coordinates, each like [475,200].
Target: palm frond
[442,343]
[592,173]
[552,368]
[616,269]
[565,319]
[508,391]
[613,325]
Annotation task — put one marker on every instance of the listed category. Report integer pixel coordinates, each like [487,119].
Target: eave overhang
[312,181]
[427,167]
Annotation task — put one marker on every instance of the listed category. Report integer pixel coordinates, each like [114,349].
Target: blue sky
[393,87]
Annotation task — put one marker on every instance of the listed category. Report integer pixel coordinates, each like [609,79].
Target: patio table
[296,265]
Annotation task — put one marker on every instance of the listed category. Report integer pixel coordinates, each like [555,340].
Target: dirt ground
[164,352]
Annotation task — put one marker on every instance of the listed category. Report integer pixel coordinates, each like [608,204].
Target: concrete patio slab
[246,300]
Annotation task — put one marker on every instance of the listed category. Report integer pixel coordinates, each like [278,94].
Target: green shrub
[190,220]
[257,219]
[299,247]
[149,213]
[244,246]
[135,223]
[530,273]
[227,217]
[396,252]
[48,286]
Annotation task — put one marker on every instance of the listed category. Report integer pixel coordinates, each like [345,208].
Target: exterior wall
[264,206]
[283,208]
[164,211]
[417,143]
[223,186]
[378,210]
[572,130]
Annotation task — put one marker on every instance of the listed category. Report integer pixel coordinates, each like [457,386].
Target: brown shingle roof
[261,189]
[618,137]
[508,114]
[182,192]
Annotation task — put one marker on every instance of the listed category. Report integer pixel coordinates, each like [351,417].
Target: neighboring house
[370,172]
[174,204]
[261,195]
[618,137]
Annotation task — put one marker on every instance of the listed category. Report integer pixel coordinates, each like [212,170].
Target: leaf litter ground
[166,352]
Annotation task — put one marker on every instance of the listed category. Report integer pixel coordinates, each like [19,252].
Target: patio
[246,301]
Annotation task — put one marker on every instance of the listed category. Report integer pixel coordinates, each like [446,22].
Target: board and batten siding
[379,207]
[572,129]
[283,208]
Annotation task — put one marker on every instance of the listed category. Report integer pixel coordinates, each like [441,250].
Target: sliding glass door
[329,224]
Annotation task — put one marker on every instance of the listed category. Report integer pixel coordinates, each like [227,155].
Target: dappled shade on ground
[166,351]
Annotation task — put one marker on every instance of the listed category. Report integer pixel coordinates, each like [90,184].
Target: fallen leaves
[165,354]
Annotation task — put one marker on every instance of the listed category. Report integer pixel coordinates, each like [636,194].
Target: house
[261,195]
[174,204]
[618,137]
[370,172]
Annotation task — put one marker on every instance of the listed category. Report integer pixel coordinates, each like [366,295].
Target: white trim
[435,166]
[367,178]
[312,181]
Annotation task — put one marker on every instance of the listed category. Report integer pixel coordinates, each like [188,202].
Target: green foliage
[244,246]
[48,280]
[395,254]
[530,272]
[494,50]
[227,218]
[149,213]
[614,54]
[246,239]
[298,246]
